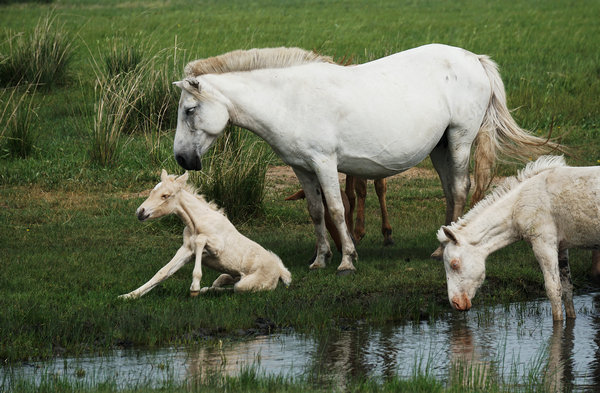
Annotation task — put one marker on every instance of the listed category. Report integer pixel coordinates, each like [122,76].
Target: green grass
[69,240]
[250,379]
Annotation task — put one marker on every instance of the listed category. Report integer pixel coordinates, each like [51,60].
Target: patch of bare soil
[282,176]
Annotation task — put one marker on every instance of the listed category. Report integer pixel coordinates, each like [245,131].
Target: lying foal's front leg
[199,243]
[182,256]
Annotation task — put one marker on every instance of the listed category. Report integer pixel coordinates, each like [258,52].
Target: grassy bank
[70,243]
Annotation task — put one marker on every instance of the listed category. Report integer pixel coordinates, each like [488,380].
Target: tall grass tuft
[234,173]
[17,121]
[134,95]
[40,57]
[115,99]
[157,106]
[122,57]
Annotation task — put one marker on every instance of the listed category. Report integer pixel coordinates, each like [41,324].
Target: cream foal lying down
[212,239]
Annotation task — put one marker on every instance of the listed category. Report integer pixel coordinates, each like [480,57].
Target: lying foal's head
[161,200]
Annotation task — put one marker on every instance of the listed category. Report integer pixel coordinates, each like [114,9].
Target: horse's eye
[190,111]
[164,196]
[455,264]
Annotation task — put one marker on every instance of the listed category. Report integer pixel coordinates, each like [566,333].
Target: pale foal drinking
[550,205]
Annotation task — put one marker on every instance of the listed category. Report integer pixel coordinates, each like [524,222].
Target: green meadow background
[70,242]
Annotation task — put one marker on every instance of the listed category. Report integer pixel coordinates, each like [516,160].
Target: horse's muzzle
[141,214]
[461,302]
[193,163]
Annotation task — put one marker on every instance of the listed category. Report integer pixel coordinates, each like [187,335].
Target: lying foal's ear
[163,175]
[183,178]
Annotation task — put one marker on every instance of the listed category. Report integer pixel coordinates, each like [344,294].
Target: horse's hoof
[388,242]
[345,272]
[316,266]
[194,293]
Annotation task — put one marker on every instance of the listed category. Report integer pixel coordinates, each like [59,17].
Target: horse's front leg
[312,190]
[566,283]
[199,243]
[182,256]
[328,178]
[546,252]
[450,159]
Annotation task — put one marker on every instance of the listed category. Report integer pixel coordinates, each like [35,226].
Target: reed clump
[234,173]
[41,57]
[18,127]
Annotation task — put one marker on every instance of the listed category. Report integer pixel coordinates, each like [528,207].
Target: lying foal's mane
[254,59]
[194,191]
[533,168]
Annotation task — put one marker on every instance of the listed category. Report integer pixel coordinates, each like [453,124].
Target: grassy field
[69,240]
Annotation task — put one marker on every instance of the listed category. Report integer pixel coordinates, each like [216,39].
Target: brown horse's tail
[500,133]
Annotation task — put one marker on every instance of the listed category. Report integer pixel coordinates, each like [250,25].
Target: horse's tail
[284,275]
[500,133]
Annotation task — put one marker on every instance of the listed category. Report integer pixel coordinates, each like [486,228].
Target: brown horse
[356,187]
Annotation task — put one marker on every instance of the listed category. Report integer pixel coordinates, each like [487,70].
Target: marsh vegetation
[80,150]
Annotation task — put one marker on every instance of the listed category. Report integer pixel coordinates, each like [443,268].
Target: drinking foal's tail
[500,133]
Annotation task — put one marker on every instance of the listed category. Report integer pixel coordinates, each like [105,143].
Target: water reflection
[475,349]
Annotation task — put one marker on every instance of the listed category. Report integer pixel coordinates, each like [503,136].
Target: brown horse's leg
[351,199]
[566,283]
[335,235]
[330,225]
[386,228]
[596,265]
[360,186]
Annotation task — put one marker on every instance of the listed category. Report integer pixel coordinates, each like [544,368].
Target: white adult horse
[370,120]
[550,205]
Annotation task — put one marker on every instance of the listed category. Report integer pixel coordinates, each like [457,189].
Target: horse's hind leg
[351,197]
[328,178]
[360,186]
[450,159]
[596,265]
[224,279]
[220,282]
[386,228]
[257,281]
[566,283]
[312,189]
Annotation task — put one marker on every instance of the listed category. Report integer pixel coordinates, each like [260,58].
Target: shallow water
[502,342]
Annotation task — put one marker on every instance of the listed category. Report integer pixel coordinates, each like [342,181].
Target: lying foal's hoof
[345,272]
[194,293]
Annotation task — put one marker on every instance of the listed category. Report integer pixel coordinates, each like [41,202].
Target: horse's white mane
[531,169]
[194,191]
[253,59]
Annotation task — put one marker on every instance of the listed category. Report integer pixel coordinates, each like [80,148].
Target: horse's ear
[163,175]
[193,82]
[450,235]
[179,84]
[183,178]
